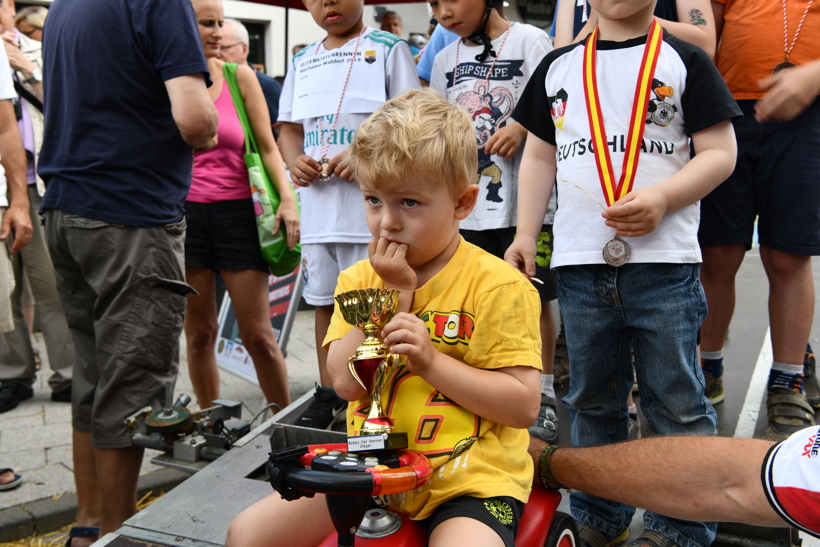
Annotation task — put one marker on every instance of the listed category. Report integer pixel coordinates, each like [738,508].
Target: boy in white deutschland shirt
[613,116]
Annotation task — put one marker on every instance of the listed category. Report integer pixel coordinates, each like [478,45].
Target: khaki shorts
[6,284]
[28,295]
[123,291]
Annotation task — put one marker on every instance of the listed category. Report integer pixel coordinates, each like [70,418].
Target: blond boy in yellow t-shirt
[467,324]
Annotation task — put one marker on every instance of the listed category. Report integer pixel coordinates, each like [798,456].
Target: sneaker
[810,386]
[634,427]
[590,537]
[714,388]
[648,538]
[323,409]
[12,394]
[546,424]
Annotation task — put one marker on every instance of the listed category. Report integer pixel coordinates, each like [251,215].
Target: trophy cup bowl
[373,366]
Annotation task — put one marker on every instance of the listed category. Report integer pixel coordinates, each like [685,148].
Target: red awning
[297,4]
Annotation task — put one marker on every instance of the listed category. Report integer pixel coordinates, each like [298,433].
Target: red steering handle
[414,470]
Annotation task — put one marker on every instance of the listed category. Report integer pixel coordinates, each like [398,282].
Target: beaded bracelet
[544,471]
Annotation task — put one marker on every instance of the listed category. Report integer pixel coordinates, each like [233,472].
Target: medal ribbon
[613,191]
[786,47]
[326,146]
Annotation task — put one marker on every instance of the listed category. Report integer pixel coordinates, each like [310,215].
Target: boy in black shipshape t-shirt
[613,116]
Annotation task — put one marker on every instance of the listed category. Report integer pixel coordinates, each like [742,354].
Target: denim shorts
[654,310]
[124,294]
[775,179]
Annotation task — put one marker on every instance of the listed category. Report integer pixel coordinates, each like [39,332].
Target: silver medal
[616,252]
[324,165]
[663,114]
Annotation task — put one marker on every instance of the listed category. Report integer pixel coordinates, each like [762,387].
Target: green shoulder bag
[265,195]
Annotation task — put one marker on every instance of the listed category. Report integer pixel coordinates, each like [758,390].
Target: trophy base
[381,441]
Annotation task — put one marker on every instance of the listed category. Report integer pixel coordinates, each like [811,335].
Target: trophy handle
[392,369]
[352,370]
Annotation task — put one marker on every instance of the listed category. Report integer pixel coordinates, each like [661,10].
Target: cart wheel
[563,531]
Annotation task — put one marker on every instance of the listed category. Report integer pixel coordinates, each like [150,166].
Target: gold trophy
[373,366]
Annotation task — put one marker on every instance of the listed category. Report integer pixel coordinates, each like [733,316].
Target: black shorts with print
[502,514]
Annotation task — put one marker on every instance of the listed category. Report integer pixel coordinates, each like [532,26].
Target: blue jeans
[654,310]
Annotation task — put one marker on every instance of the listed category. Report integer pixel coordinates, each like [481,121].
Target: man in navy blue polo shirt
[126,101]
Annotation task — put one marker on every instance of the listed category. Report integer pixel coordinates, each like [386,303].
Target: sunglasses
[28,34]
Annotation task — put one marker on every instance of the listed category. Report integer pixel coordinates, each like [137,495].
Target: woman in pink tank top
[222,234]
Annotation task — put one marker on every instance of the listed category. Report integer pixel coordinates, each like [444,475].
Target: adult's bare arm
[690,478]
[193,110]
[20,63]
[13,160]
[718,10]
[588,27]
[788,92]
[695,24]
[564,23]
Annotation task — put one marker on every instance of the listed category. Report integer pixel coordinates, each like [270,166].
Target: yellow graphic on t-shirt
[454,327]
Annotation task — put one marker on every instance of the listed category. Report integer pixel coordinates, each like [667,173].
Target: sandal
[15,482]
[546,424]
[789,412]
[82,532]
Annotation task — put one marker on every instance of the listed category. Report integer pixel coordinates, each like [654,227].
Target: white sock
[547,385]
[791,369]
[632,409]
[712,354]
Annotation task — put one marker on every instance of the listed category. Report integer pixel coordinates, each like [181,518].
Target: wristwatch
[36,76]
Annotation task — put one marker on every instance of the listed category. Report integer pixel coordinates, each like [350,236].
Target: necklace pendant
[616,252]
[782,66]
[325,174]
